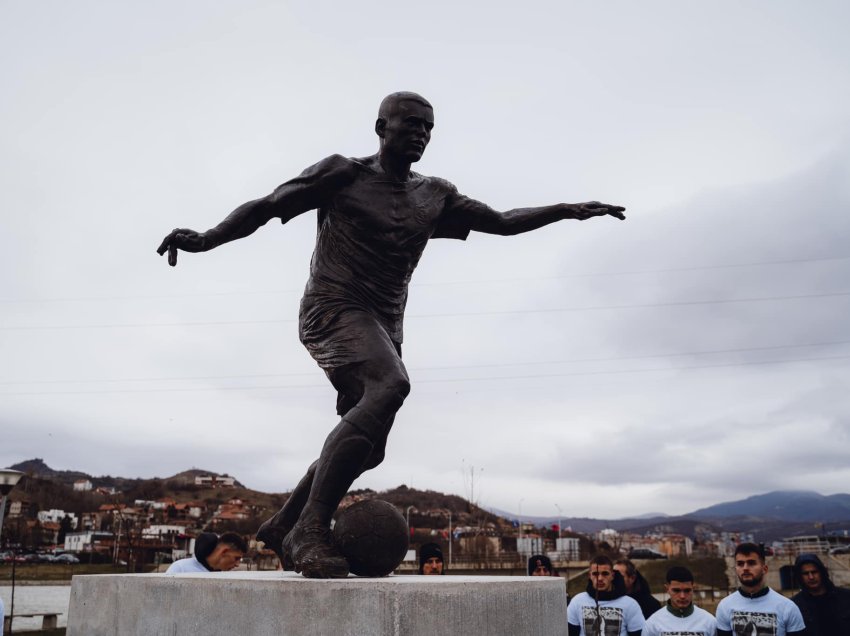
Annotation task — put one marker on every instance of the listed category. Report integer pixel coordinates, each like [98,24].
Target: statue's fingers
[164,245]
[172,255]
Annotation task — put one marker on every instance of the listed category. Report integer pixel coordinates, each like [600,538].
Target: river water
[36,598]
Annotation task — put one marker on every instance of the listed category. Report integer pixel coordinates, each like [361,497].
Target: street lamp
[8,480]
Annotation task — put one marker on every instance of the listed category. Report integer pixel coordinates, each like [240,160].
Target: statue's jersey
[371,234]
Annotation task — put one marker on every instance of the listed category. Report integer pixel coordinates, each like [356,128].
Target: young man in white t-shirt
[212,554]
[755,609]
[604,609]
[680,617]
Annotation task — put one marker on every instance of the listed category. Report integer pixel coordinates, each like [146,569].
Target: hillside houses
[155,521]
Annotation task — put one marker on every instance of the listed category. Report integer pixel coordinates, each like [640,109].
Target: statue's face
[407,130]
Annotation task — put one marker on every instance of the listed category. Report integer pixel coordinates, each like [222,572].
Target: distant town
[142,524]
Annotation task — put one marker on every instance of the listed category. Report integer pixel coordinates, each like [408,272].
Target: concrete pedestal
[284,603]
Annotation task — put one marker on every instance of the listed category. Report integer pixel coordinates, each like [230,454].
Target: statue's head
[404,125]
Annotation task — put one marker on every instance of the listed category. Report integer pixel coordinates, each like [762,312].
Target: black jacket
[825,615]
[640,592]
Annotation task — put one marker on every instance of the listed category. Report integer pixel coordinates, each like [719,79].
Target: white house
[56,516]
[82,485]
[161,531]
[82,541]
[214,481]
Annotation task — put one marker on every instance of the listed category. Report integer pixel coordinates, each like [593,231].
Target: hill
[37,468]
[769,517]
[794,506]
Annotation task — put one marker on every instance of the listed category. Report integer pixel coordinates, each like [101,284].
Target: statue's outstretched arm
[303,193]
[244,220]
[526,219]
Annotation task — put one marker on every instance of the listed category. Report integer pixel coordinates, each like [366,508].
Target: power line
[792,261]
[494,365]
[440,380]
[505,312]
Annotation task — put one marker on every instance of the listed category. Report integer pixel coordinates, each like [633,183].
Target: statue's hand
[182,239]
[584,211]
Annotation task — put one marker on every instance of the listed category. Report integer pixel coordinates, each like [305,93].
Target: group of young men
[617,601]
[609,608]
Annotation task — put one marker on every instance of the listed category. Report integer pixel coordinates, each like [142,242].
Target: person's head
[404,125]
[540,565]
[750,566]
[629,572]
[430,559]
[601,573]
[812,574]
[680,587]
[227,552]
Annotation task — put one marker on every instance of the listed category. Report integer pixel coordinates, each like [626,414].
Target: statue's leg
[274,529]
[355,445]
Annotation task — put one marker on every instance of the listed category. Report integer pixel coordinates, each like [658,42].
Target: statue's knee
[394,391]
[374,460]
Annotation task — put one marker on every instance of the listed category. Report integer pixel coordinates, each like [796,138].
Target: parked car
[841,549]
[645,553]
[66,558]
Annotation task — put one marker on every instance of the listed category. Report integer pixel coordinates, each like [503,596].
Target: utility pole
[520,524]
[8,480]
[117,541]
[450,539]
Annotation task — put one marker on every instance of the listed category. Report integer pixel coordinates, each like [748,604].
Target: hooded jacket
[827,614]
[640,592]
[618,590]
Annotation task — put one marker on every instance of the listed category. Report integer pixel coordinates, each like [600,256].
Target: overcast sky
[696,353]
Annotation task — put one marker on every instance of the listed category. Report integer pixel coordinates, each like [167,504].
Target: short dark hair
[679,573]
[602,559]
[234,541]
[750,548]
[545,561]
[631,570]
[391,102]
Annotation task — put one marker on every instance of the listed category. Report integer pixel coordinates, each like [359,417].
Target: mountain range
[769,517]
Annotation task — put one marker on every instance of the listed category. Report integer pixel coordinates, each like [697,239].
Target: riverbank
[37,600]
[54,573]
